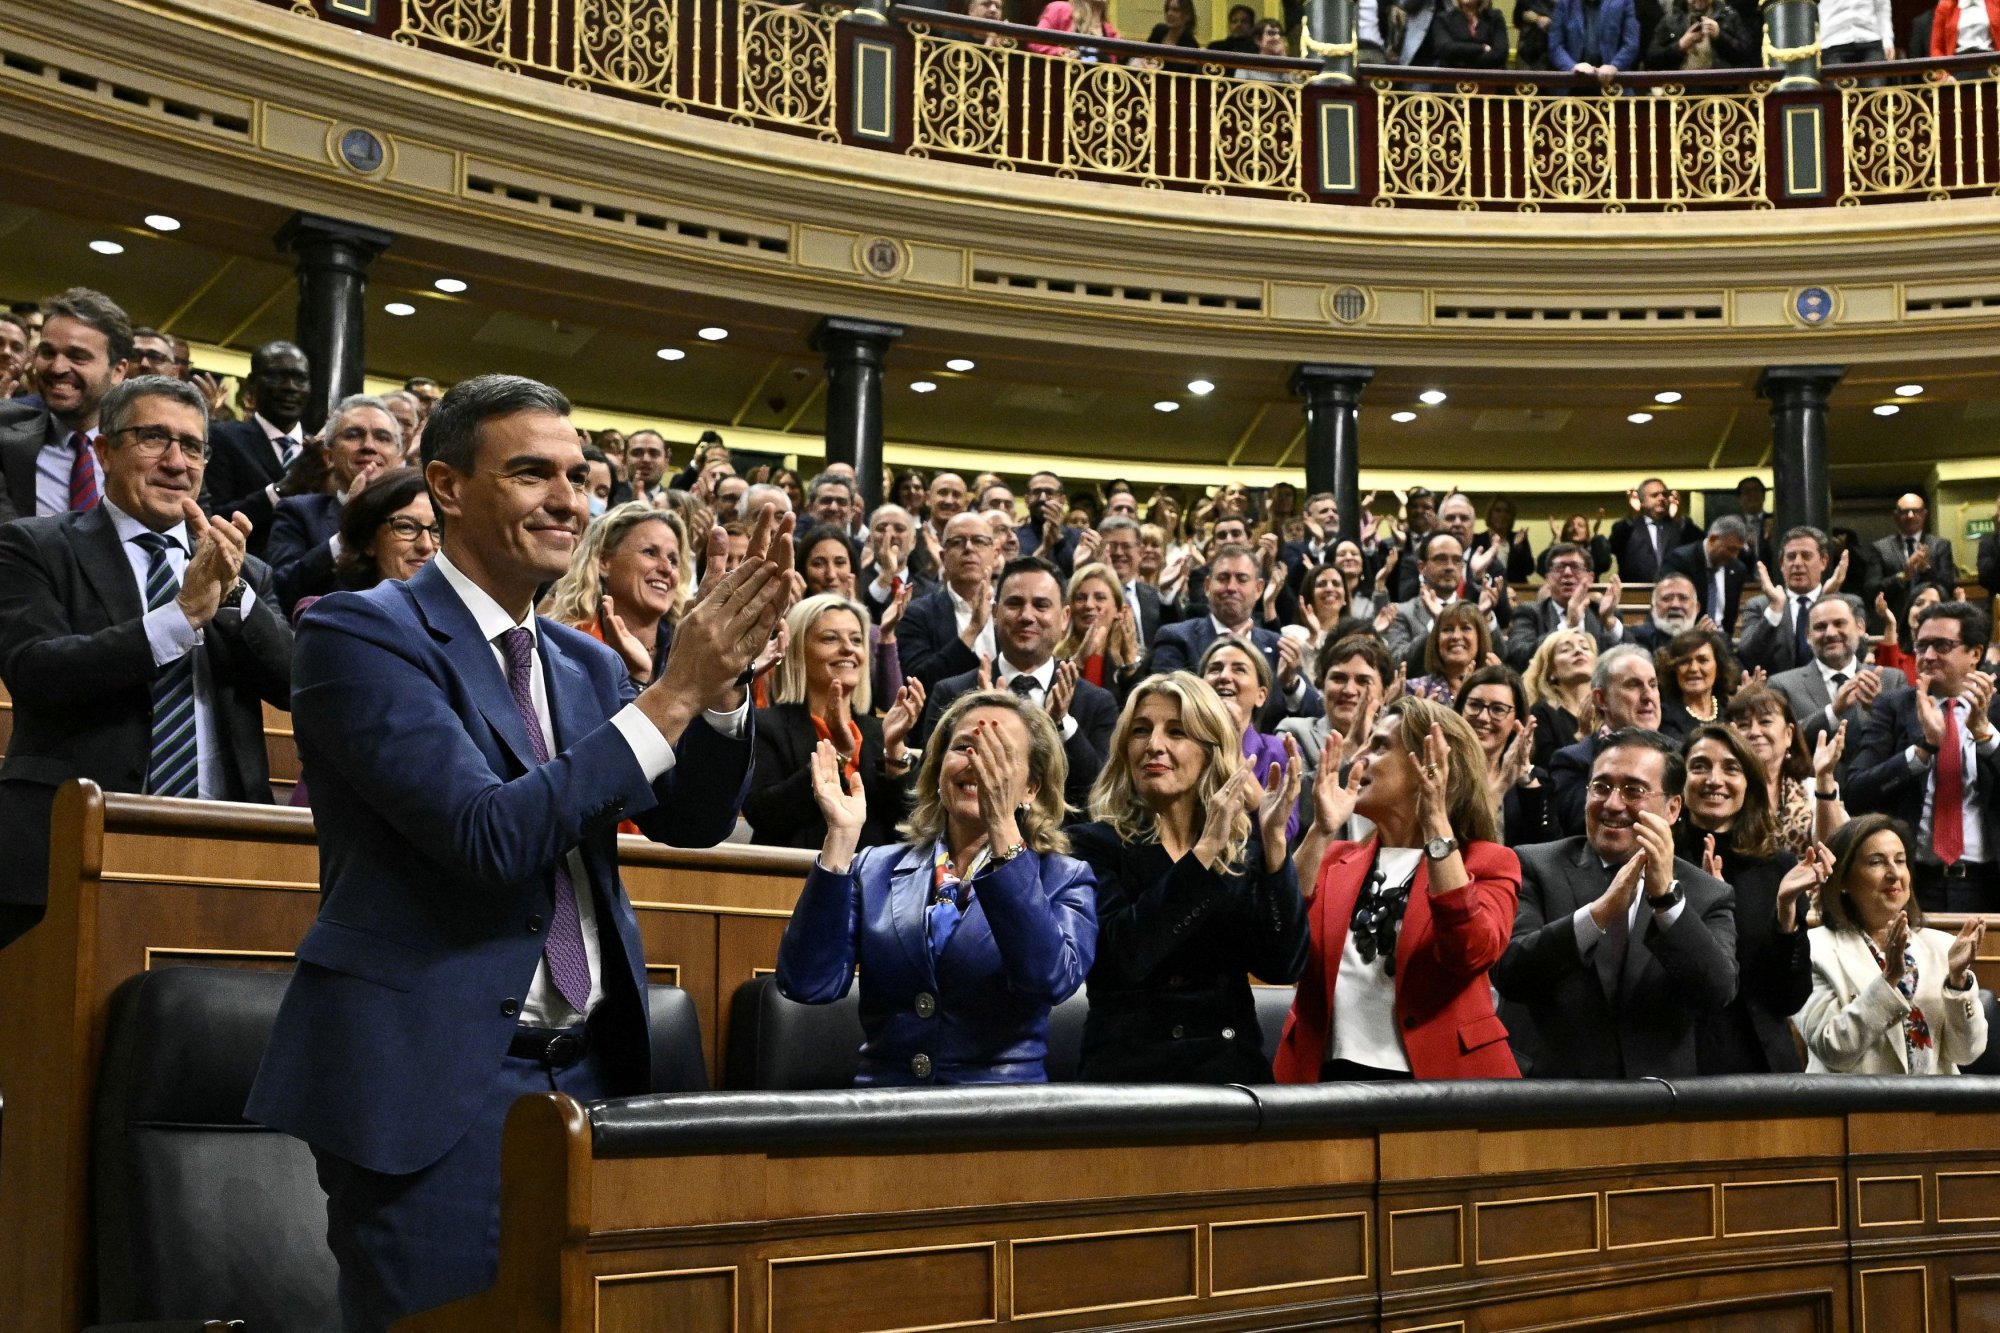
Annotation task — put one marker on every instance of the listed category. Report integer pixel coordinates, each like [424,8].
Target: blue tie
[1804,644]
[174,768]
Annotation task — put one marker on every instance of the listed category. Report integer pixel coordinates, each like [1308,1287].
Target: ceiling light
[1402,416]
[1166,405]
[161,222]
[712,334]
[1886,409]
[1431,396]
[107,247]
[452,285]
[400,308]
[1908,390]
[1669,396]
[959,364]
[1639,418]
[922,386]
[1199,387]
[670,354]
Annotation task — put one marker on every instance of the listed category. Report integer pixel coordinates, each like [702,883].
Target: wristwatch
[233,599]
[1437,849]
[1669,900]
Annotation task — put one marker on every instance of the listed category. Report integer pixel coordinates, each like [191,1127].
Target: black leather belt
[1966,870]
[558,1048]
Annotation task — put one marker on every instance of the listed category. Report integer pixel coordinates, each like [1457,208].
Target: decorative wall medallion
[362,151]
[1347,304]
[880,257]
[1813,307]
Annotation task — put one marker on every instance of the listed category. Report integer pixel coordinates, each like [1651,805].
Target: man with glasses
[946,632]
[1118,546]
[48,452]
[1044,533]
[1930,756]
[363,441]
[1625,694]
[1621,950]
[1565,603]
[1909,558]
[1441,566]
[138,639]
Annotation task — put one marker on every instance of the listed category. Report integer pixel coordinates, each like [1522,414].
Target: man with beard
[1835,687]
[645,464]
[247,459]
[48,453]
[1676,607]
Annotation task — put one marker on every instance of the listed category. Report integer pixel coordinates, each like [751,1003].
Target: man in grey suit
[1772,627]
[1836,686]
[1909,558]
[1441,568]
[1620,949]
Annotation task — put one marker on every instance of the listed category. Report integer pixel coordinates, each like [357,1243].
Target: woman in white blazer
[1889,996]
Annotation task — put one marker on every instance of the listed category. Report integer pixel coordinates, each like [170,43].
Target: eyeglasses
[1920,509]
[1633,793]
[409,529]
[1939,646]
[960,543]
[1481,708]
[152,442]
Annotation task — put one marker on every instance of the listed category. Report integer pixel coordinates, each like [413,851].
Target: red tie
[82,475]
[1948,807]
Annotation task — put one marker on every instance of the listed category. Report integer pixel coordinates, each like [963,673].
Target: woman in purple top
[1241,678]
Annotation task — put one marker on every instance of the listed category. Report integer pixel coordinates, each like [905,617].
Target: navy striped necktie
[174,767]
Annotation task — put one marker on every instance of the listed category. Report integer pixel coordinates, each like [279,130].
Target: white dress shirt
[545,1006]
[1587,932]
[1974,32]
[1364,1019]
[52,468]
[983,645]
[1774,612]
[1044,676]
[1846,22]
[1833,688]
[1974,826]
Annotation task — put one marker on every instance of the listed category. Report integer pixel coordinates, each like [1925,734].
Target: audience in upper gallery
[1773,634]
[1103,638]
[969,932]
[627,586]
[139,640]
[1655,531]
[1621,951]
[1241,678]
[1270,42]
[249,458]
[1625,696]
[1469,34]
[1558,685]
[1196,892]
[1177,25]
[1407,925]
[1700,34]
[1566,602]
[1889,995]
[1715,566]
[1835,688]
[1531,48]
[47,443]
[360,443]
[1458,645]
[1698,675]
[1729,828]
[1909,558]
[1596,40]
[1493,703]
[1763,718]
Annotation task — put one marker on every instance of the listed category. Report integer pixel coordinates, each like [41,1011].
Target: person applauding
[970,932]
[1195,890]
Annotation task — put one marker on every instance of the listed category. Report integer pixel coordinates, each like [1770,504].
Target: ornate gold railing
[1934,138]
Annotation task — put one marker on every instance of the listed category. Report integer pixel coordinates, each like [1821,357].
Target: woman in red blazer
[1405,925]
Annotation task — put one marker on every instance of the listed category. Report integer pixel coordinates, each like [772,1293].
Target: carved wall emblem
[880,257]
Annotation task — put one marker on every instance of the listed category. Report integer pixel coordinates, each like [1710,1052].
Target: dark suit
[1179,648]
[780,807]
[1989,563]
[1760,644]
[439,836]
[1881,781]
[1754,1035]
[1692,560]
[1087,747]
[300,551]
[928,640]
[1534,621]
[1153,613]
[241,463]
[1063,557]
[1885,561]
[76,659]
[1647,634]
[24,432]
[1632,546]
[1569,775]
[1805,688]
[1610,1014]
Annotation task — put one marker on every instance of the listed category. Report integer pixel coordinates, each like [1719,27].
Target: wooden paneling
[1098,1272]
[692,1301]
[1280,1253]
[923,1287]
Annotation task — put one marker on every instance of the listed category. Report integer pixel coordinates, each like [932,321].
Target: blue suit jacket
[928,641]
[1179,648]
[1617,34]
[299,552]
[1025,945]
[438,837]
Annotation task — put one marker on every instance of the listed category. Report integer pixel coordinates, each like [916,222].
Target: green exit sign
[1978,527]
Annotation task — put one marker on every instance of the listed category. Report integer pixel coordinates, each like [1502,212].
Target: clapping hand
[1930,717]
[844,811]
[220,545]
[638,657]
[1978,698]
[1711,863]
[1862,689]
[1277,796]
[1895,953]
[1826,753]
[1607,605]
[1062,689]
[1773,594]
[1965,948]
[1224,809]
[892,615]
[725,631]
[1433,774]
[1809,874]
[901,717]
[1000,766]
[1838,577]
[1333,800]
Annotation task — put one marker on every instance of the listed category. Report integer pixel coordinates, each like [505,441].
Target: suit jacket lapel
[909,899]
[102,558]
[568,686]
[1334,906]
[472,658]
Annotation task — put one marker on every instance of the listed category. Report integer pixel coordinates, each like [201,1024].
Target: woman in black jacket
[1494,704]
[1470,34]
[1698,34]
[1195,891]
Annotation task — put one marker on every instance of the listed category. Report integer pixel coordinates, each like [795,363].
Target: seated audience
[1729,828]
[1195,892]
[967,934]
[1242,680]
[946,632]
[1764,719]
[1406,925]
[1835,688]
[1492,703]
[1673,609]
[1177,26]
[1773,635]
[138,639]
[1699,34]
[1242,38]
[48,462]
[823,694]
[1565,603]
[1889,995]
[1457,646]
[1469,34]
[362,442]
[1558,685]
[1698,674]
[627,585]
[1621,951]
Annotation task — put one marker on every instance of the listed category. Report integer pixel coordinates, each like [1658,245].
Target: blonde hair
[790,685]
[1048,766]
[1540,677]
[575,598]
[1119,646]
[1260,666]
[1208,723]
[1470,804]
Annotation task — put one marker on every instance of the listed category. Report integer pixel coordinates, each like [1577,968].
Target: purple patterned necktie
[569,966]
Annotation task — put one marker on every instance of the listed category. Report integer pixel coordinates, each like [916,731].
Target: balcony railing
[934,85]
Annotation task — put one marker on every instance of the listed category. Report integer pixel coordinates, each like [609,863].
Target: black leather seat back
[1274,1004]
[1989,1059]
[678,1063]
[199,1214]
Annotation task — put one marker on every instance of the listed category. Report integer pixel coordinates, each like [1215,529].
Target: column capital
[1780,383]
[839,335]
[322,239]
[1331,383]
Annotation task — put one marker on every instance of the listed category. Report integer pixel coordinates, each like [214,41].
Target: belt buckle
[558,1051]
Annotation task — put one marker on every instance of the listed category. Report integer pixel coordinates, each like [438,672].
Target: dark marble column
[332,260]
[1333,436]
[855,350]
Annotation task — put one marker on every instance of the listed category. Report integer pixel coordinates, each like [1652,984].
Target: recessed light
[452,285]
[1639,418]
[959,364]
[1166,405]
[107,247]
[1199,387]
[1669,396]
[1887,409]
[712,334]
[670,354]
[1431,396]
[161,222]
[1402,416]
[922,386]
[1908,390]
[400,308]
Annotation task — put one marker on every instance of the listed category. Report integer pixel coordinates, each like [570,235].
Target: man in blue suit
[363,441]
[1594,38]
[470,763]
[946,632]
[1235,588]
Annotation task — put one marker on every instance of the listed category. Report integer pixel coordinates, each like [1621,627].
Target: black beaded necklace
[1378,915]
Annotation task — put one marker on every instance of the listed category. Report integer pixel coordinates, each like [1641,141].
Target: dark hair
[1468,614]
[1270,25]
[1974,629]
[1757,700]
[1754,832]
[145,332]
[97,311]
[1346,648]
[1235,551]
[1673,780]
[122,397]
[1557,550]
[1846,844]
[813,536]
[1494,675]
[1028,564]
[18,321]
[261,356]
[1679,649]
[451,436]
[413,381]
[1824,542]
[593,454]
[1433,536]
[365,515]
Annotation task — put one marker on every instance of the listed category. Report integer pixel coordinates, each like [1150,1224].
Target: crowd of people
[1043,737]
